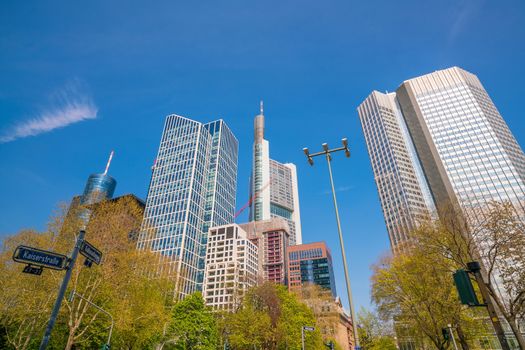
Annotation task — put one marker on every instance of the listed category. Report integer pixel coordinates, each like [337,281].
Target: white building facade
[231,267]
[439,140]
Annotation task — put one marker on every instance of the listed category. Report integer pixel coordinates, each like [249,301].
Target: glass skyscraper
[274,190]
[439,140]
[193,187]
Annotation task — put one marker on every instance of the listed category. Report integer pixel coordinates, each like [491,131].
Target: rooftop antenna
[109,162]
[262,109]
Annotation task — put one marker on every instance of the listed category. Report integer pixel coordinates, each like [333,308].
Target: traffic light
[446,333]
[465,289]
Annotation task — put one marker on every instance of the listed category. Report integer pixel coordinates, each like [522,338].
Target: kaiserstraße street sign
[39,257]
[90,252]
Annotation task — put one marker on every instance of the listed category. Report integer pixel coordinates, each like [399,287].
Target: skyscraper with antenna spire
[273,185]
[99,187]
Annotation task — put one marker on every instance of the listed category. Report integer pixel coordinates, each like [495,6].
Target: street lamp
[70,299]
[326,152]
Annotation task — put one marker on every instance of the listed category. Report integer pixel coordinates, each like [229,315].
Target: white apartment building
[231,267]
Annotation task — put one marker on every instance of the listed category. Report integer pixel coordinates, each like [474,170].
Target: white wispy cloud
[70,106]
[339,189]
[464,11]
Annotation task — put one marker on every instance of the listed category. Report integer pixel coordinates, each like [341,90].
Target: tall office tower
[440,134]
[193,187]
[272,240]
[310,263]
[273,186]
[231,267]
[403,191]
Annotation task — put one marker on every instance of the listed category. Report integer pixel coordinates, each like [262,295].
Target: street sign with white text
[310,329]
[33,270]
[38,257]
[90,252]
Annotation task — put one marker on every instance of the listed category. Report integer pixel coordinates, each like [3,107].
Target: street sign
[38,257]
[33,270]
[90,252]
[310,329]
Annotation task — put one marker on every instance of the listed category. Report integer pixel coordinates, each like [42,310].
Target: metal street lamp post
[326,152]
[74,293]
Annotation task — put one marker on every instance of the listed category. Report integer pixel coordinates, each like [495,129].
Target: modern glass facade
[193,187]
[403,192]
[438,141]
[459,132]
[98,187]
[311,264]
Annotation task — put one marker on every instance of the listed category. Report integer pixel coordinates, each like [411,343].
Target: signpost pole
[475,269]
[62,291]
[302,338]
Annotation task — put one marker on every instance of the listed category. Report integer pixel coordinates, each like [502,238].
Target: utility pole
[62,291]
[475,269]
[302,338]
[327,153]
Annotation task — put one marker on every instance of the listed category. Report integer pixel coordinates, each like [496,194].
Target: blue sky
[112,70]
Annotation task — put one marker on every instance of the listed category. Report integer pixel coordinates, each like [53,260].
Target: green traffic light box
[466,292]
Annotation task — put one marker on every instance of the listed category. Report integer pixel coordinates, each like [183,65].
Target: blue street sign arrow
[39,257]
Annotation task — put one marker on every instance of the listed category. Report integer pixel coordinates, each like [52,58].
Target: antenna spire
[109,162]
[262,108]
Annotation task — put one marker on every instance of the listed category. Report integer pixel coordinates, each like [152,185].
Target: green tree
[325,309]
[419,294]
[125,284]
[275,318]
[26,300]
[193,326]
[294,315]
[493,235]
[374,334]
[255,336]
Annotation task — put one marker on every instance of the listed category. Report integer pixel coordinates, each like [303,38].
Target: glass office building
[439,140]
[310,264]
[193,187]
[403,191]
